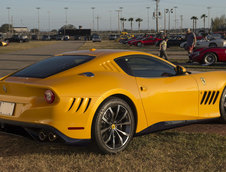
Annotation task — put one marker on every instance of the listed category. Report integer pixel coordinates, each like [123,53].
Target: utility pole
[93,8]
[175,17]
[118,11]
[38,8]
[165,11]
[148,17]
[110,12]
[49,20]
[98,18]
[209,18]
[181,22]
[8,8]
[121,27]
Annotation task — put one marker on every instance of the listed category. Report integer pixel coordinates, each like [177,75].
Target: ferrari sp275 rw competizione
[107,96]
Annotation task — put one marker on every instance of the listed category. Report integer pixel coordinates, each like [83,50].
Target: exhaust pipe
[52,137]
[42,135]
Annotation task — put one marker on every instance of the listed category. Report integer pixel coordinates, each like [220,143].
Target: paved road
[19,59]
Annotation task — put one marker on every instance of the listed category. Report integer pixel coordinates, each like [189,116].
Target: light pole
[118,11]
[209,17]
[175,17]
[66,8]
[93,8]
[8,8]
[181,22]
[110,13]
[148,17]
[121,27]
[98,18]
[49,20]
[38,8]
[169,11]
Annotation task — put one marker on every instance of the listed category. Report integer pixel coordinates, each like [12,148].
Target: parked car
[207,43]
[66,38]
[209,56]
[146,41]
[96,38]
[113,37]
[18,38]
[59,37]
[107,96]
[77,37]
[3,43]
[46,38]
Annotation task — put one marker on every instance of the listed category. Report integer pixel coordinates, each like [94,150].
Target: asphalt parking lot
[19,59]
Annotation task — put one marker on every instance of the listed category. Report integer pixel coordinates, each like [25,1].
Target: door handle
[142,88]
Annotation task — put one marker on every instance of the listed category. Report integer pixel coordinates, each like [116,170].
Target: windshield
[52,66]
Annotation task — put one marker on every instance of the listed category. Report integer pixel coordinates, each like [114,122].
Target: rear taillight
[49,96]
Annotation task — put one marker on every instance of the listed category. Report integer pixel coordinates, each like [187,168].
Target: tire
[209,59]
[139,44]
[223,106]
[212,45]
[113,126]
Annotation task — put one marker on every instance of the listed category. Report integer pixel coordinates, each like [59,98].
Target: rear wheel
[210,59]
[139,44]
[113,126]
[223,106]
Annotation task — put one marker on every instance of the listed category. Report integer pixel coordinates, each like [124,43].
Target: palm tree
[204,16]
[194,20]
[131,23]
[123,22]
[139,20]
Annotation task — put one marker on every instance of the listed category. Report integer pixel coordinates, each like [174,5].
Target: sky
[52,14]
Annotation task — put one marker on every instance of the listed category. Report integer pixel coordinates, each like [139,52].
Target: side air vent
[209,97]
[109,65]
[79,105]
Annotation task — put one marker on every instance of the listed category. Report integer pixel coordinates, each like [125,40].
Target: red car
[145,41]
[209,56]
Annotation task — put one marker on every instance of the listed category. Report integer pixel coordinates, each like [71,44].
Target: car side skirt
[171,124]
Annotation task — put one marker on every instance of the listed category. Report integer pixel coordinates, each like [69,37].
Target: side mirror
[180,70]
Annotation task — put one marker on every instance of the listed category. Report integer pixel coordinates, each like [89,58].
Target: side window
[145,66]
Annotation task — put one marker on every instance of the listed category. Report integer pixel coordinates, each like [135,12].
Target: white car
[207,43]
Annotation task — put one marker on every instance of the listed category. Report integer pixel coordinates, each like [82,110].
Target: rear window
[52,66]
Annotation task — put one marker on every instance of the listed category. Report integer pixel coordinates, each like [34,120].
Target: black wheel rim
[115,127]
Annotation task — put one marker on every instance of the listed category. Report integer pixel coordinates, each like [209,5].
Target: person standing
[191,41]
[163,47]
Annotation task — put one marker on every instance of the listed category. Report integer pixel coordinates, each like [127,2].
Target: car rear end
[33,102]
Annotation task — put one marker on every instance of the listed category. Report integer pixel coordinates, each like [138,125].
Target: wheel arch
[123,97]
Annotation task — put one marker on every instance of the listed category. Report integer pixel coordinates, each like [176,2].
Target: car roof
[109,54]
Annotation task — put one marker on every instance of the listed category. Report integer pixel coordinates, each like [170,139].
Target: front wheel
[113,126]
[210,59]
[223,106]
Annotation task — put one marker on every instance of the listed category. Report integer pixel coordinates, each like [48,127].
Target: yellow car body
[3,43]
[78,96]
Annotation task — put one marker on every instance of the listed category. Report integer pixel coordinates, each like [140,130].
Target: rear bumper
[33,130]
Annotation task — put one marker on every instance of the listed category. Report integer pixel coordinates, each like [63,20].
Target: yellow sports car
[107,96]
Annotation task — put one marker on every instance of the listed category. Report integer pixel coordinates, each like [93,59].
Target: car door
[165,96]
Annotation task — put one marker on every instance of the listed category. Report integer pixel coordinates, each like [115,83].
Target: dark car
[96,38]
[209,56]
[113,37]
[46,38]
[18,38]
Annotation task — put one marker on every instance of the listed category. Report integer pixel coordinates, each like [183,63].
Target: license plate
[7,108]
